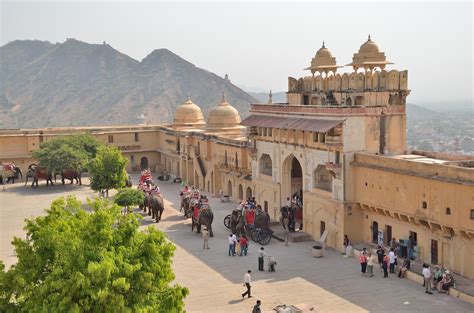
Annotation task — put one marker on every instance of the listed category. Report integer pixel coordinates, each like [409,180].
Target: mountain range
[76,83]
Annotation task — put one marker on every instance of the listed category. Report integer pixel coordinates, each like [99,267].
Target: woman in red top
[244,244]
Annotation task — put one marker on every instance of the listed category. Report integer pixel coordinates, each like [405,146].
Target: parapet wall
[349,82]
[445,172]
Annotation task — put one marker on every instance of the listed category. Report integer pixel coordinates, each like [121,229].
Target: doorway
[144,163]
[292,178]
[241,192]
[322,228]
[375,232]
[388,232]
[229,188]
[434,251]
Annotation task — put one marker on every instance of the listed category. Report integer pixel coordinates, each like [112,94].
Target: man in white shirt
[391,256]
[426,272]
[247,281]
[261,257]
[232,242]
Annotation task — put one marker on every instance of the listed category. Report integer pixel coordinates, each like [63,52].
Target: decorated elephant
[37,173]
[236,221]
[71,175]
[288,216]
[202,215]
[156,206]
[9,172]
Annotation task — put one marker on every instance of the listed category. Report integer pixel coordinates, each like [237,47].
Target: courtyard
[329,284]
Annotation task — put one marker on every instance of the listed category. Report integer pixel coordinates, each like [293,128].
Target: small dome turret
[323,61]
[223,115]
[188,114]
[369,56]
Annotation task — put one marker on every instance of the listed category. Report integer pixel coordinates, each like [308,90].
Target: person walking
[385,263]
[256,307]
[247,281]
[426,272]
[261,256]
[205,237]
[363,263]
[244,244]
[391,256]
[370,264]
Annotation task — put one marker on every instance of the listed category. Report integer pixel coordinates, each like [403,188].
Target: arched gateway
[292,179]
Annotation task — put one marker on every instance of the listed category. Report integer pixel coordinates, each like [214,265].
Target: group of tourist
[433,279]
[436,279]
[238,246]
[387,261]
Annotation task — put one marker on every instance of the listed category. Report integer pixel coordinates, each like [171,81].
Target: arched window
[448,211]
[249,193]
[241,192]
[424,205]
[322,178]
[266,164]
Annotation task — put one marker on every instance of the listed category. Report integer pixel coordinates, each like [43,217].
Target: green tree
[98,261]
[67,153]
[127,197]
[107,169]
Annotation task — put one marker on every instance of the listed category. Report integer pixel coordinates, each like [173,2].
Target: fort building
[339,141]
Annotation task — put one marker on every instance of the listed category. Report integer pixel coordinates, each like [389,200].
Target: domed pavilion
[224,118]
[369,57]
[188,114]
[323,62]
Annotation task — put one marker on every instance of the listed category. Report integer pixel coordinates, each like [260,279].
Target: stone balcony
[335,168]
[333,140]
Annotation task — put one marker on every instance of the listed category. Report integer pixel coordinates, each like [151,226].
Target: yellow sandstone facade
[340,140]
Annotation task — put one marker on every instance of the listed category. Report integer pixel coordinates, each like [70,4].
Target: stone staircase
[299,237]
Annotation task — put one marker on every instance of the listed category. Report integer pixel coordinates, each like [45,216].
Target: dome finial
[223,96]
[323,45]
[189,97]
[369,38]
[270,97]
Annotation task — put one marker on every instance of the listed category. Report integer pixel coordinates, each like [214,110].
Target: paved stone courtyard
[329,284]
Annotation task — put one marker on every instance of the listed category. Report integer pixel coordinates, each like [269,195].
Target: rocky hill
[76,83]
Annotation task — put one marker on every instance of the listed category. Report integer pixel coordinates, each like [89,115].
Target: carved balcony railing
[333,140]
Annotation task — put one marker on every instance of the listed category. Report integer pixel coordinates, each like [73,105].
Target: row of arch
[322,178]
[377,81]
[248,191]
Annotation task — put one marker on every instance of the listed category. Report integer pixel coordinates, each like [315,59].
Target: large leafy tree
[67,153]
[107,169]
[78,261]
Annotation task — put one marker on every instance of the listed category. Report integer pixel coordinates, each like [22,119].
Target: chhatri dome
[323,61]
[188,114]
[223,115]
[369,56]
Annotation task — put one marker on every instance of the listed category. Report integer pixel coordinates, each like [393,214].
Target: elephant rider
[155,190]
[250,216]
[202,204]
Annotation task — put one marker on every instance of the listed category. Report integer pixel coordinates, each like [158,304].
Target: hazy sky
[261,44]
